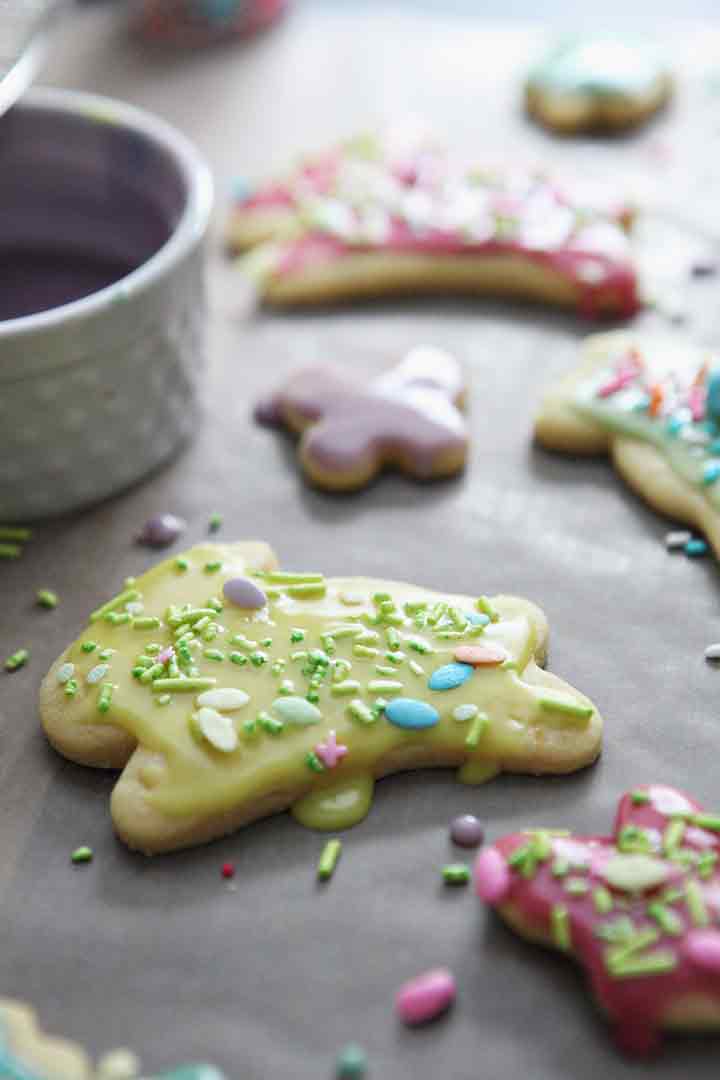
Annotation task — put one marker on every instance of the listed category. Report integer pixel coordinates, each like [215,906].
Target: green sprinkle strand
[14,532]
[640,798]
[568,708]
[181,564]
[456,874]
[351,1064]
[313,762]
[186,685]
[153,672]
[71,688]
[345,688]
[576,886]
[419,646]
[105,699]
[478,726]
[696,904]
[560,868]
[82,855]
[310,589]
[17,660]
[10,551]
[417,669]
[269,723]
[329,859]
[560,927]
[283,577]
[213,566]
[483,604]
[215,522]
[711,822]
[602,899]
[364,650]
[384,686]
[257,659]
[238,658]
[213,654]
[668,921]
[116,602]
[88,646]
[360,711]
[297,635]
[146,622]
[672,837]
[164,699]
[706,864]
[46,598]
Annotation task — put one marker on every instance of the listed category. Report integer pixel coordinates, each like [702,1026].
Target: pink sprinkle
[696,403]
[702,948]
[166,655]
[480,655]
[425,997]
[620,380]
[491,876]
[228,870]
[331,752]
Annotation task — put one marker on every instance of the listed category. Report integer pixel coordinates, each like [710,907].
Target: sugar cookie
[638,910]
[409,418]
[220,713]
[588,84]
[369,225]
[653,404]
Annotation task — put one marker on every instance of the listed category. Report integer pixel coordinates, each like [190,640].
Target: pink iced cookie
[426,996]
[640,909]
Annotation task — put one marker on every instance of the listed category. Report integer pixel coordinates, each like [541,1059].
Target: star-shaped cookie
[227,690]
[639,909]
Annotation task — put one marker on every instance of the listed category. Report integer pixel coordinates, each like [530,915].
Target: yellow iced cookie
[228,690]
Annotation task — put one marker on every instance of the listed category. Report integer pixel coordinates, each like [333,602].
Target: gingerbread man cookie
[602,83]
[409,418]
[653,404]
[368,225]
[639,909]
[228,690]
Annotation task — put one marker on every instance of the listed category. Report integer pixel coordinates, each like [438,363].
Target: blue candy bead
[449,676]
[712,401]
[476,618]
[410,713]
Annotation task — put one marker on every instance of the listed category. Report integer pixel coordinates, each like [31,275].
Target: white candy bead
[97,673]
[65,673]
[713,652]
[226,698]
[674,541]
[462,713]
[217,729]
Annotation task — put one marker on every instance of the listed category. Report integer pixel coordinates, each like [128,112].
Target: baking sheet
[270,975]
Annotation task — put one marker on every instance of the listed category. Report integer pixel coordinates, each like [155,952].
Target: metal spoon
[24,36]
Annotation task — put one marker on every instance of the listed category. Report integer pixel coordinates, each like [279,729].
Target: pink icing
[523,215]
[491,876]
[425,997]
[637,1004]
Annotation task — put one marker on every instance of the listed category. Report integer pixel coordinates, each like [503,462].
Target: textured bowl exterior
[95,394]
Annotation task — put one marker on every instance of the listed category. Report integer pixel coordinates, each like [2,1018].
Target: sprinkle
[477,727]
[384,686]
[65,673]
[483,604]
[213,566]
[419,646]
[46,598]
[576,886]
[328,859]
[707,821]
[151,673]
[269,723]
[215,522]
[450,676]
[164,699]
[71,688]
[310,589]
[639,797]
[185,685]
[297,635]
[244,593]
[213,654]
[602,899]
[97,673]
[216,728]
[10,551]
[712,652]
[364,650]
[668,921]
[706,864]
[161,530]
[634,872]
[659,962]
[411,714]
[88,646]
[456,874]
[14,532]
[181,564]
[560,868]
[560,926]
[360,711]
[146,622]
[116,618]
[105,699]
[417,669]
[281,577]
[348,686]
[82,855]
[491,876]
[238,658]
[117,601]
[296,710]
[567,708]
[481,655]
[425,997]
[351,1063]
[696,904]
[672,837]
[466,831]
[106,654]
[228,870]
[331,752]
[226,698]
[385,669]
[711,473]
[462,713]
[351,599]
[696,548]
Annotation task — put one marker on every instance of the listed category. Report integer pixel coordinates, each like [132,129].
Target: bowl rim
[189,229]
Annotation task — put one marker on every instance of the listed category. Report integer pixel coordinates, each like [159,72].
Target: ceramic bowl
[103,215]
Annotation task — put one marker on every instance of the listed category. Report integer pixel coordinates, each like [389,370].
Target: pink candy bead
[491,876]
[702,947]
[480,655]
[425,997]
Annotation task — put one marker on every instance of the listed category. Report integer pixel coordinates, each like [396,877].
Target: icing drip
[639,909]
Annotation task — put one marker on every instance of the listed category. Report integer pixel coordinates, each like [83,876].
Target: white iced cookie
[231,690]
[595,83]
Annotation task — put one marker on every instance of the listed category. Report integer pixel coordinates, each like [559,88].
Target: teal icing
[690,447]
[602,66]
[11,1068]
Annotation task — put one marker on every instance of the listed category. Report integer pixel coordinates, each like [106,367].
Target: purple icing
[161,530]
[244,593]
[467,831]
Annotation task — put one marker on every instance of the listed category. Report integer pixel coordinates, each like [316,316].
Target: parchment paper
[269,976]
